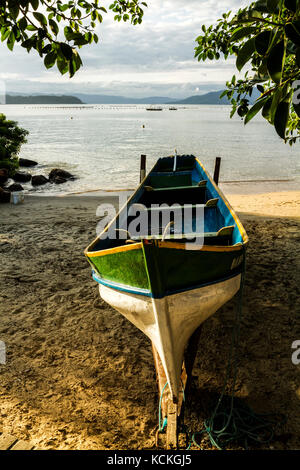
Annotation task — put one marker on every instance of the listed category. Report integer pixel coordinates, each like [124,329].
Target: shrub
[11,139]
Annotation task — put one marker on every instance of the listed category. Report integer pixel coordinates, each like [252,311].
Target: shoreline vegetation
[66,347]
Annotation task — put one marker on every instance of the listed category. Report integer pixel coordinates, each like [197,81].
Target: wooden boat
[164,284]
[172,108]
[154,109]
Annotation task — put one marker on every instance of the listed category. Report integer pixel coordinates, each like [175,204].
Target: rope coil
[233,420]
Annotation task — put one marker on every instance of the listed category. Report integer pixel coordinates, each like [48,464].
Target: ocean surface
[102,144]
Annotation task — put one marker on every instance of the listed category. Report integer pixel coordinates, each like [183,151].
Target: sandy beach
[80,376]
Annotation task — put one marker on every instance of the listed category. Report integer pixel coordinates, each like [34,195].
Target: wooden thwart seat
[209,204]
[224,232]
[201,184]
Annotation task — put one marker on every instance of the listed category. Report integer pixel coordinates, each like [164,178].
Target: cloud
[160,52]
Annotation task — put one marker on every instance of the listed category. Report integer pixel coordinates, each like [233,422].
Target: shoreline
[249,187]
[284,204]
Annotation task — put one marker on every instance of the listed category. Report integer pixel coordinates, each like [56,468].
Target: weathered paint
[169,322]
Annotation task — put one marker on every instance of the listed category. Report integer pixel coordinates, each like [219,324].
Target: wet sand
[80,376]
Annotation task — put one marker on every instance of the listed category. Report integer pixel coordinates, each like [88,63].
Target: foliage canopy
[11,139]
[265,37]
[56,30]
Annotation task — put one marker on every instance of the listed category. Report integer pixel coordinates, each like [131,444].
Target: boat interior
[176,185]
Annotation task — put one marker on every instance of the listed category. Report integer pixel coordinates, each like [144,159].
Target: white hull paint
[169,322]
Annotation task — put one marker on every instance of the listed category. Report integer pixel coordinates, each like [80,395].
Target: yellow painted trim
[111,251]
[231,210]
[181,246]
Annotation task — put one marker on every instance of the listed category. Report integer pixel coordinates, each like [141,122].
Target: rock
[61,173]
[58,180]
[38,180]
[26,162]
[4,196]
[3,175]
[21,177]
[14,187]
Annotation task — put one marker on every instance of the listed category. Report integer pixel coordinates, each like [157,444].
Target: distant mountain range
[212,98]
[112,99]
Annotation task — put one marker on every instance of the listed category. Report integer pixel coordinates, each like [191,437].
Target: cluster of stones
[56,176]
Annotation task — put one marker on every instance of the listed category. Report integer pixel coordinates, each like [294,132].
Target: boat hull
[170,321]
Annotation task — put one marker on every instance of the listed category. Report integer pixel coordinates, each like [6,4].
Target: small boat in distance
[152,108]
[164,284]
[172,108]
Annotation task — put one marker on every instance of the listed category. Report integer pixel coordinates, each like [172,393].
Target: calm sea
[102,144]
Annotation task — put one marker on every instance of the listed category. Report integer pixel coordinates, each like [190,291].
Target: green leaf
[266,109]
[14,9]
[77,59]
[29,43]
[245,54]
[281,118]
[277,96]
[69,33]
[292,31]
[72,68]
[62,65]
[35,4]
[11,41]
[263,41]
[40,18]
[275,61]
[261,5]
[30,27]
[273,5]
[242,110]
[5,34]
[255,109]
[54,27]
[22,23]
[241,33]
[66,50]
[224,93]
[50,59]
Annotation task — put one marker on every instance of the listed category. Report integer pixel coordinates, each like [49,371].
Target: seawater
[102,144]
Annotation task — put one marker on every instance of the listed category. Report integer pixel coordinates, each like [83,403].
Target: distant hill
[115,99]
[42,99]
[211,98]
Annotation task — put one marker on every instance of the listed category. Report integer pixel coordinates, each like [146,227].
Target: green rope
[233,420]
[161,426]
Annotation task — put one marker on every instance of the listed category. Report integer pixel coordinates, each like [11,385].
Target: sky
[155,58]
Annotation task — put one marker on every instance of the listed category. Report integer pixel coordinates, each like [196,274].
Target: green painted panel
[180,269]
[125,267]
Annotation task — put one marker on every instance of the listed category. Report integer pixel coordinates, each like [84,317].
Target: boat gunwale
[166,244]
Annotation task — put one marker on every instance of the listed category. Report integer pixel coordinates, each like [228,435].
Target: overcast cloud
[155,58]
